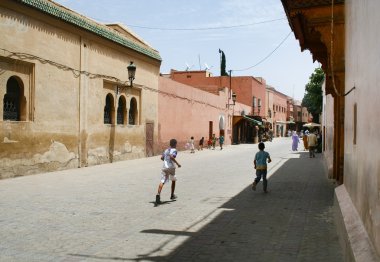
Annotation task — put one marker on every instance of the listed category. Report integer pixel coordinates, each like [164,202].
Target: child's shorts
[168,173]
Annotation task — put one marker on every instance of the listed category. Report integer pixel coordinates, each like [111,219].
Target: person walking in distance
[168,170]
[213,141]
[201,143]
[260,164]
[296,141]
[221,142]
[312,144]
[304,139]
[192,147]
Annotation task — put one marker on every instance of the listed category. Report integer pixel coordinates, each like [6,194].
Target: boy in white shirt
[168,169]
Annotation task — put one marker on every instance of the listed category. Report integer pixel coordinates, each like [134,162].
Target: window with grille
[120,111]
[132,112]
[11,101]
[108,110]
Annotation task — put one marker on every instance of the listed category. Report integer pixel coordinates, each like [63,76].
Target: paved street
[107,212]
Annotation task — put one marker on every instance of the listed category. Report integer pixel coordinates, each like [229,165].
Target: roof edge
[71,17]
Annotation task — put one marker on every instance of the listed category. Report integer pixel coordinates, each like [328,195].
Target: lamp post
[131,73]
[233,100]
[131,76]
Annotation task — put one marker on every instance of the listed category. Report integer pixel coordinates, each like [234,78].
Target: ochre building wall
[62,124]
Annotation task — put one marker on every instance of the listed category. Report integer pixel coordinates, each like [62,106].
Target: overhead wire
[266,57]
[205,28]
[77,73]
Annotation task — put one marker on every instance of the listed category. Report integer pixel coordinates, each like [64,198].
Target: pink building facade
[246,114]
[280,113]
[185,111]
[249,90]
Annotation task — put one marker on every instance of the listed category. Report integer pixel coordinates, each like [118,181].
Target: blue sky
[287,69]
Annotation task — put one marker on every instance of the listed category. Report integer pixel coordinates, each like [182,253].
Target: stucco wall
[245,87]
[328,132]
[361,159]
[185,111]
[64,125]
[279,113]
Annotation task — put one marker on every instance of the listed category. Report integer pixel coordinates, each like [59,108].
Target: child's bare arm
[174,160]
[254,163]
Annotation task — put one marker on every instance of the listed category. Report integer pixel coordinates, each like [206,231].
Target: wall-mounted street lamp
[233,100]
[131,73]
[131,76]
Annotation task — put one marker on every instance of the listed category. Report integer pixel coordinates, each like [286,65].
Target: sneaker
[173,197]
[254,186]
[158,200]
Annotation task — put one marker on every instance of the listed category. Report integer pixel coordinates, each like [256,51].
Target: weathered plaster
[64,105]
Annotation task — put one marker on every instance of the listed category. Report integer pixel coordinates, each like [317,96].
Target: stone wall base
[356,245]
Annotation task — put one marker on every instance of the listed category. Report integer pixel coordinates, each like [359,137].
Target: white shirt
[168,163]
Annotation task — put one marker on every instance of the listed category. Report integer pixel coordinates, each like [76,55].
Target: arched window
[132,116]
[109,110]
[121,111]
[12,99]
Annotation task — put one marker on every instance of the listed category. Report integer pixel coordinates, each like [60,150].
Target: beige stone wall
[63,125]
[361,158]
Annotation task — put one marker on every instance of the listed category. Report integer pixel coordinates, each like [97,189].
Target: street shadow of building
[293,222]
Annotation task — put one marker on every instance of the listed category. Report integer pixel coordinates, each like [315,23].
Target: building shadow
[293,222]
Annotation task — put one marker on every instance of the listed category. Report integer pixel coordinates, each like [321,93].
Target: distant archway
[221,125]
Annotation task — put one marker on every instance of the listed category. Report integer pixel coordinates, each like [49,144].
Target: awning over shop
[253,120]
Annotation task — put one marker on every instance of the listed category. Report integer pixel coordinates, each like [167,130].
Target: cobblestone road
[107,212]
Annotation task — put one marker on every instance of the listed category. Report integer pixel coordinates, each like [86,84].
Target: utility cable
[77,73]
[205,28]
[265,58]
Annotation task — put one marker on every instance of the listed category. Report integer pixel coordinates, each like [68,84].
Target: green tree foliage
[313,94]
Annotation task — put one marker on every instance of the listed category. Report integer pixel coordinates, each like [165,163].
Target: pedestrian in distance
[312,144]
[304,139]
[209,143]
[201,143]
[260,164]
[213,139]
[296,141]
[221,142]
[192,148]
[168,170]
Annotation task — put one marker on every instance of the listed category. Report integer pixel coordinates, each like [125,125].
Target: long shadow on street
[293,222]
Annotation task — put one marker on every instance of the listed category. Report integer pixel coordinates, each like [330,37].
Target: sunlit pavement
[107,212]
